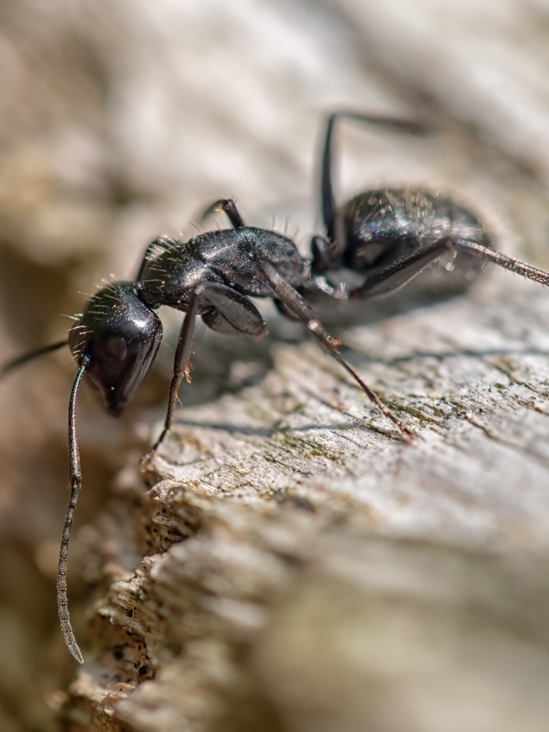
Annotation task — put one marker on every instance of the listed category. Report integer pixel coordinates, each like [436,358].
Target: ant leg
[514,265]
[323,255]
[297,304]
[397,274]
[229,206]
[327,198]
[232,314]
[391,278]
[181,367]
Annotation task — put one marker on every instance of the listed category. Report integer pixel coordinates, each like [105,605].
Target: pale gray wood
[279,606]
[286,562]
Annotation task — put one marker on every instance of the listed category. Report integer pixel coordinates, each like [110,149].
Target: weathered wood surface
[274,603]
[286,562]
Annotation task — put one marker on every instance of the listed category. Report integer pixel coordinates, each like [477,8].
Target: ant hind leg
[513,265]
[303,312]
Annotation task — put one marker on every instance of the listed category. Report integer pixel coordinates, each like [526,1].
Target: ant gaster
[389,236]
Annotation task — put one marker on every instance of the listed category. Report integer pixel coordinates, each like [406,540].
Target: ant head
[118,336]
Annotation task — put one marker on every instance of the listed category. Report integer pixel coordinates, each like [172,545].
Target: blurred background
[121,120]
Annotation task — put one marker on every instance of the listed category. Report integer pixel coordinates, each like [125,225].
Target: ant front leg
[224,310]
[303,312]
[229,206]
[181,368]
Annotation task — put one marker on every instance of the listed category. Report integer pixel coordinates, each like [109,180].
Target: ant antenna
[20,360]
[76,484]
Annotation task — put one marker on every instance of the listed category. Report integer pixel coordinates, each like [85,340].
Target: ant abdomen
[382,226]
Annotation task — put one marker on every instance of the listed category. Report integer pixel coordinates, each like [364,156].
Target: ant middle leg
[303,312]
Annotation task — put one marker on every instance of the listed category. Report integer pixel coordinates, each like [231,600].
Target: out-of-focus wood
[286,563]
[275,604]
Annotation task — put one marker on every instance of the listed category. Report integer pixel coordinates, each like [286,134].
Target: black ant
[390,236]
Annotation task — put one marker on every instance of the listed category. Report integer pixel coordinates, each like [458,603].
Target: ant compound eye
[117,347]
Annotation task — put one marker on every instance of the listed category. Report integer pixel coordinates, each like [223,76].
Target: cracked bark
[301,568]
[304,569]
[286,563]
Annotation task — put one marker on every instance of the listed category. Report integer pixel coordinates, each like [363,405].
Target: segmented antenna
[21,360]
[75,483]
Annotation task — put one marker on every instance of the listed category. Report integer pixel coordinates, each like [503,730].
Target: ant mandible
[388,235]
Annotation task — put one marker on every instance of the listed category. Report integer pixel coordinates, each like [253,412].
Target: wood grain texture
[263,551]
[286,562]
[302,567]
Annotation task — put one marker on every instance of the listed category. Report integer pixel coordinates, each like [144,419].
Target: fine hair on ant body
[388,236]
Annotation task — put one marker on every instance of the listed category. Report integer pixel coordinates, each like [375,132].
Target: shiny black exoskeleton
[118,336]
[212,276]
[116,339]
[387,236]
[382,227]
[392,235]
